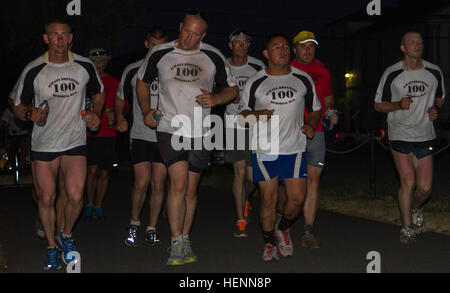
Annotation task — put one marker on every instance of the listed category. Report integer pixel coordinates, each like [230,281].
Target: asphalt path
[348,243]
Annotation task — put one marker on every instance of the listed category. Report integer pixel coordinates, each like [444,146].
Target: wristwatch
[28,115]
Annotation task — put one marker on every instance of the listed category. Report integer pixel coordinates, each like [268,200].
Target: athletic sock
[285,224]
[269,237]
[308,228]
[135,223]
[150,228]
[177,238]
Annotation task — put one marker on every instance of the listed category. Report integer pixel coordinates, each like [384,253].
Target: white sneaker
[285,247]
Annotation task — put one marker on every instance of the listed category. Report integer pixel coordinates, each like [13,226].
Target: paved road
[346,240]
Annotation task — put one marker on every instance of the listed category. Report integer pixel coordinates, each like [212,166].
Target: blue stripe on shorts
[266,167]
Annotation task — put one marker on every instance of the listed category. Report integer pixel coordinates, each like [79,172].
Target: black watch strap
[28,115]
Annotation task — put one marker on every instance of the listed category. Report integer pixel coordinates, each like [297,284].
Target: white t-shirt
[241,74]
[127,90]
[65,87]
[181,76]
[424,85]
[288,95]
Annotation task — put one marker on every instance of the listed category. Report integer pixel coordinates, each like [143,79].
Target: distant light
[430,148]
[115,165]
[349,75]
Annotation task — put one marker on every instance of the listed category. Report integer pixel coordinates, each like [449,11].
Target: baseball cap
[98,54]
[238,33]
[305,36]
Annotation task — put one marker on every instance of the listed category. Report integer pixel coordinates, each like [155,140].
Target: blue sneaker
[52,261]
[67,246]
[99,214]
[88,212]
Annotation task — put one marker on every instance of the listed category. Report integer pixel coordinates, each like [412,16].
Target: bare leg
[191,201]
[157,198]
[102,186]
[142,173]
[61,201]
[312,195]
[74,172]
[176,198]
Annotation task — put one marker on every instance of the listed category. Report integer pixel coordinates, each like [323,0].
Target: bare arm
[226,95]
[122,124]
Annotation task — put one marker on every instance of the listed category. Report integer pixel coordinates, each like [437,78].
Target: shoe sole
[190,260]
[305,245]
[52,268]
[175,263]
[243,235]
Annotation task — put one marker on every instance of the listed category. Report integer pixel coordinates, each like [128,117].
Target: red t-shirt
[110,85]
[321,77]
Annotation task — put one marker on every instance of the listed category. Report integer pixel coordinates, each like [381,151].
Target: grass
[382,208]
[350,199]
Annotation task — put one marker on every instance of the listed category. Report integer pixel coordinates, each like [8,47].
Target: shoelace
[131,233]
[68,245]
[187,249]
[52,257]
[241,225]
[286,237]
[268,249]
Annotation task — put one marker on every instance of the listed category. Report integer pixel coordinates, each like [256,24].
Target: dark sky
[258,17]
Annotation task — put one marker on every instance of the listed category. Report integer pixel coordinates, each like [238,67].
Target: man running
[187,70]
[101,144]
[305,45]
[280,93]
[242,67]
[411,91]
[62,78]
[147,163]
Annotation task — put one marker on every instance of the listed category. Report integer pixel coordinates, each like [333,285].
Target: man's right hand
[405,103]
[38,115]
[149,120]
[122,125]
[264,115]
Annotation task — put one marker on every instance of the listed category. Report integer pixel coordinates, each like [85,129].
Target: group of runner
[283,101]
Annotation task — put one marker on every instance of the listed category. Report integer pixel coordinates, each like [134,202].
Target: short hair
[199,14]
[57,21]
[157,33]
[409,32]
[273,36]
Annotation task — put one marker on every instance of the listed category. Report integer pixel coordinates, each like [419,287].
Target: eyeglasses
[98,53]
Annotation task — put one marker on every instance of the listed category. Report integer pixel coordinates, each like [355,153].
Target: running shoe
[88,212]
[67,245]
[308,240]
[417,220]
[152,238]
[240,230]
[284,246]
[39,229]
[270,253]
[99,214]
[188,254]
[130,236]
[176,254]
[407,236]
[52,261]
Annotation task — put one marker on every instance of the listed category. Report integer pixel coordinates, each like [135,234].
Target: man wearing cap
[242,67]
[304,49]
[101,144]
[148,166]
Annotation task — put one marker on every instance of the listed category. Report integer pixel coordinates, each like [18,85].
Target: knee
[158,186]
[423,190]
[141,183]
[179,186]
[408,184]
[104,175]
[47,200]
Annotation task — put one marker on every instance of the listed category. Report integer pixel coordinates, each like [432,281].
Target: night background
[350,41]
